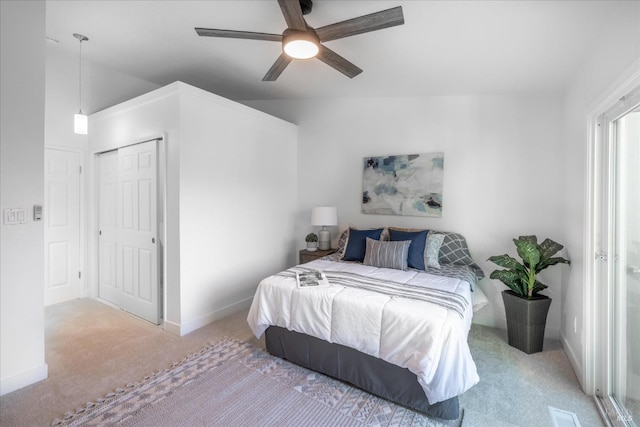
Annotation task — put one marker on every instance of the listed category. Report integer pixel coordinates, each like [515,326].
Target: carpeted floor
[93,349]
[516,389]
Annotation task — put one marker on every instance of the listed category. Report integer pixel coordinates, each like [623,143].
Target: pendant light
[80,121]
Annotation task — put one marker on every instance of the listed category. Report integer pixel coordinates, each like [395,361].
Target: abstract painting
[403,185]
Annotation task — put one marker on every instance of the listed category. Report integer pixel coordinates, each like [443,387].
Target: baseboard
[573,360]
[171,327]
[201,321]
[553,333]
[23,379]
[491,321]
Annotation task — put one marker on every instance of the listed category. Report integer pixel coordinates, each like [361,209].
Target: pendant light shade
[80,121]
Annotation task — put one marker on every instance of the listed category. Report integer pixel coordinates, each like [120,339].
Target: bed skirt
[369,373]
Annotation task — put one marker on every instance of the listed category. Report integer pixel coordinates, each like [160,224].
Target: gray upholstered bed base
[369,373]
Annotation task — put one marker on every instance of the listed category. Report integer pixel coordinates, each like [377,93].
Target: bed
[382,323]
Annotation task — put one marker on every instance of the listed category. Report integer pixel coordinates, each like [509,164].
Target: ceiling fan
[300,41]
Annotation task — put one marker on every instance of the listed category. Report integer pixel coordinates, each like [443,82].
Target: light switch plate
[13,216]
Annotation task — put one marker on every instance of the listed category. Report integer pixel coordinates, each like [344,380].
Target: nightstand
[306,256]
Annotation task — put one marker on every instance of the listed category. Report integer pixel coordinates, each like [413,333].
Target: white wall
[238,201]
[503,169]
[231,195]
[22,86]
[616,55]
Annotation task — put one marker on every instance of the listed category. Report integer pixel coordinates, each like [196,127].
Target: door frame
[596,361]
[93,218]
[82,222]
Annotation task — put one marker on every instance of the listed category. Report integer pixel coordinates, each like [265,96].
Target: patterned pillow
[356,244]
[454,250]
[417,248]
[387,254]
[434,242]
[342,243]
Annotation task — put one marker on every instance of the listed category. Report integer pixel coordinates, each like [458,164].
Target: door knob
[153,240]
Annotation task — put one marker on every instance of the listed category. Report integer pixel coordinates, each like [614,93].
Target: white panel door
[128,254]
[61,215]
[137,211]
[108,233]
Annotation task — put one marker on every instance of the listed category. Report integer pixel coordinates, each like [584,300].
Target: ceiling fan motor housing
[309,34]
[306,6]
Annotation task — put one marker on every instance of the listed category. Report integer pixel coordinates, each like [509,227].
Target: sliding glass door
[626,268]
[620,279]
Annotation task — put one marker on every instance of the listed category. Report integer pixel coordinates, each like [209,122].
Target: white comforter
[426,338]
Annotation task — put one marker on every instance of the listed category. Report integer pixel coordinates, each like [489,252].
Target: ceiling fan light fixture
[300,44]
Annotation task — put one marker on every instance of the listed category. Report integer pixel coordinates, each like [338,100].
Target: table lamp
[324,216]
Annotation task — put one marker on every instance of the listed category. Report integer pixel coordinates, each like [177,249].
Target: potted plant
[312,242]
[525,308]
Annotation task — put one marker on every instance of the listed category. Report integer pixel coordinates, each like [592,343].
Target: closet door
[128,250]
[108,235]
[138,253]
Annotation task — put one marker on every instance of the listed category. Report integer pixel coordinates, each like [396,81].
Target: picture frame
[409,184]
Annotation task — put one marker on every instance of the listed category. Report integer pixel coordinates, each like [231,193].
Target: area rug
[232,383]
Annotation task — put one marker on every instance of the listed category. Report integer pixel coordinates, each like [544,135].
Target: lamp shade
[324,216]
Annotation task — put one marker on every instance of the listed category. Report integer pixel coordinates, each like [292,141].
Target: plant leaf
[530,239]
[551,261]
[528,251]
[549,248]
[538,287]
[506,261]
[511,278]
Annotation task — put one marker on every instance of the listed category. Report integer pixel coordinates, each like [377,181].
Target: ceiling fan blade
[277,68]
[336,61]
[362,24]
[211,32]
[293,14]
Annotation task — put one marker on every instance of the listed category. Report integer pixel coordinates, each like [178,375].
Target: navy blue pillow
[416,250]
[357,243]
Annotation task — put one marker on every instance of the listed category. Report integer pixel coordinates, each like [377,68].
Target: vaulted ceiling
[444,47]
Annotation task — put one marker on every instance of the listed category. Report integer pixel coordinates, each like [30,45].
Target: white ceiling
[444,47]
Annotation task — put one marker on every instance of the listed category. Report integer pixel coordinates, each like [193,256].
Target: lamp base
[324,239]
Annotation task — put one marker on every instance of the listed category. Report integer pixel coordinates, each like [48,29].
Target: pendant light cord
[81,39]
[80,78]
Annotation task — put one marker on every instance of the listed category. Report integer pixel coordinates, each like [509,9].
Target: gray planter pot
[526,320]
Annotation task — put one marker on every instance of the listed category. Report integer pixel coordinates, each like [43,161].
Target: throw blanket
[442,298]
[427,335]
